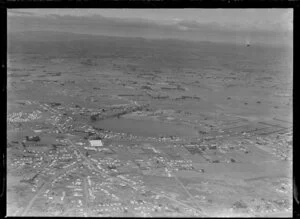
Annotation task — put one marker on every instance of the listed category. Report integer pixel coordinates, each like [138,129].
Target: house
[96,143]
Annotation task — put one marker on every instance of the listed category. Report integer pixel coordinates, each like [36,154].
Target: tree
[93,117]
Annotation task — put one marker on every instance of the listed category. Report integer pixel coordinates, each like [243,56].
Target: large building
[96,143]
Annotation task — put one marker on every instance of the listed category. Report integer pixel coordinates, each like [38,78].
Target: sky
[272,26]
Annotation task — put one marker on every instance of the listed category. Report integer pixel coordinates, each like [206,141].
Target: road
[185,189]
[179,202]
[44,187]
[88,161]
[79,154]
[86,193]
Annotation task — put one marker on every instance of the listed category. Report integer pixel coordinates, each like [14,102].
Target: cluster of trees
[94,117]
[33,138]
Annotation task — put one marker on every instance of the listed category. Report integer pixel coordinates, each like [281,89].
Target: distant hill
[49,36]
[54,43]
[41,36]
[32,40]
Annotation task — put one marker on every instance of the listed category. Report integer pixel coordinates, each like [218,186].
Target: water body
[146,128]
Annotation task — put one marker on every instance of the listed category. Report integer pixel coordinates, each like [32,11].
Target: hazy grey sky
[258,25]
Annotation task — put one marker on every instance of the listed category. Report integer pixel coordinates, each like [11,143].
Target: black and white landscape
[149,112]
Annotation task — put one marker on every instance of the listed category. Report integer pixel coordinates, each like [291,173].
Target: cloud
[183,28]
[14,12]
[133,27]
